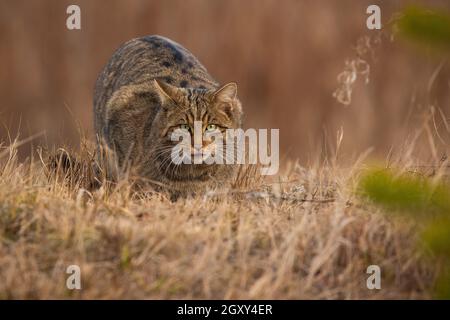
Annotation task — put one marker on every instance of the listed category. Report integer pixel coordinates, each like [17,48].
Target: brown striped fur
[150,87]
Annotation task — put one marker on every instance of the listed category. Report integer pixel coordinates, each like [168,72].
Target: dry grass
[304,236]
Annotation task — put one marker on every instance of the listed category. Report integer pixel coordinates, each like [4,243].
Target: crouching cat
[151,87]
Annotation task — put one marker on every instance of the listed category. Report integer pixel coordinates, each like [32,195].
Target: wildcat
[151,87]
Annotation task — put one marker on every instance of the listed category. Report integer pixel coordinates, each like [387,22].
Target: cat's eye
[184,127]
[211,127]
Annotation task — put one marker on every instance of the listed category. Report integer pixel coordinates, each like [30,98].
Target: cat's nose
[197,150]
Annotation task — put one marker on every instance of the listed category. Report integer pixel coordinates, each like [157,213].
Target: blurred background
[284,55]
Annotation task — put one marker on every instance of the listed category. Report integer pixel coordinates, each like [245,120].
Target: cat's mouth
[193,163]
[197,154]
[197,158]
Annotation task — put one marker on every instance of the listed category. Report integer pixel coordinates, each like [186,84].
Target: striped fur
[150,87]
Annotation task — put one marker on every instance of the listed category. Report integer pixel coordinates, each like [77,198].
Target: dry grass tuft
[305,235]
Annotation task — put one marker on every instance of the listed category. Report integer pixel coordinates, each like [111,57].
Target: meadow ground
[303,235]
[306,233]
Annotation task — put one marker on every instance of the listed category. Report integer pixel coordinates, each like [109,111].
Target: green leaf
[426,26]
[405,193]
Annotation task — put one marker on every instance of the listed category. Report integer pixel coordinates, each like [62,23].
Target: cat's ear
[227,93]
[165,91]
[226,99]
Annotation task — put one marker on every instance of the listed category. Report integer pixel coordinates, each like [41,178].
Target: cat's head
[210,111]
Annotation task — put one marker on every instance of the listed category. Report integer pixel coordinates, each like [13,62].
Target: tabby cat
[150,87]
